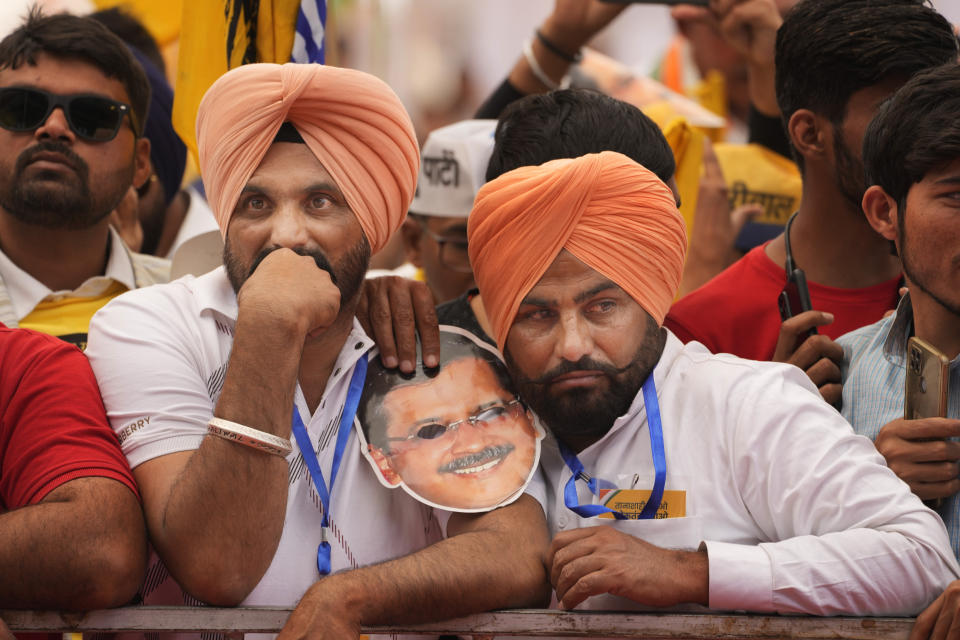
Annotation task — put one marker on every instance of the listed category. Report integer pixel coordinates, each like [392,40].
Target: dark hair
[914,132]
[827,50]
[573,122]
[131,31]
[74,37]
[380,381]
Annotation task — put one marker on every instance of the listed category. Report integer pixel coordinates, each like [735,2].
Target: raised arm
[489,561]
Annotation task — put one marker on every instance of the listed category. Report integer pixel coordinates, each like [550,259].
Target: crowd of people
[563,427]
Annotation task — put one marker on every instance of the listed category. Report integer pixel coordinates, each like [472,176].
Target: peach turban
[614,215]
[352,122]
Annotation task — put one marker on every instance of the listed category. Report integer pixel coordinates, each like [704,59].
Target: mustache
[480,457]
[316,254]
[585,363]
[52,146]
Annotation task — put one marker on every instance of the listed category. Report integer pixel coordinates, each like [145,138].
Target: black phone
[696,3]
[795,297]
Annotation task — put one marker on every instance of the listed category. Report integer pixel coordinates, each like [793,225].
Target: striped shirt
[874,379]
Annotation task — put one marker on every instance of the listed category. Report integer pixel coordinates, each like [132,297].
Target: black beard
[347,275]
[579,417]
[849,170]
[906,261]
[68,205]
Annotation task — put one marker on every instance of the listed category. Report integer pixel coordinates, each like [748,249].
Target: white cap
[453,164]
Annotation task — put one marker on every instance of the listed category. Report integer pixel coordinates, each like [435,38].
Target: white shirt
[26,292]
[199,219]
[160,355]
[798,513]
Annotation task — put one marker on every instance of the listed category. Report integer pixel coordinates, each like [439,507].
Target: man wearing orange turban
[724,482]
[308,169]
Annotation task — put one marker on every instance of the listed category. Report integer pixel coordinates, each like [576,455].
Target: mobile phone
[696,3]
[925,393]
[795,298]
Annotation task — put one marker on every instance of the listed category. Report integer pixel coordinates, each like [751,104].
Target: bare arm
[215,515]
[490,561]
[82,547]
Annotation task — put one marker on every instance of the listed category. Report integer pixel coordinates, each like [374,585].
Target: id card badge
[630,502]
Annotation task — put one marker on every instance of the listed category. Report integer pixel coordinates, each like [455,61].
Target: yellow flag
[162,19]
[218,35]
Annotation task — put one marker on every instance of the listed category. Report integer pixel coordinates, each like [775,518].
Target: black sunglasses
[90,116]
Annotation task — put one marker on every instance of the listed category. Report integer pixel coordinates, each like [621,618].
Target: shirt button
[359,345]
[562,522]
[337,372]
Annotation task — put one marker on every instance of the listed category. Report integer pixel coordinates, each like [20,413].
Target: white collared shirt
[798,513]
[161,354]
[26,292]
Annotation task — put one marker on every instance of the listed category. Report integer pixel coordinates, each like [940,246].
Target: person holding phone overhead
[836,61]
[911,154]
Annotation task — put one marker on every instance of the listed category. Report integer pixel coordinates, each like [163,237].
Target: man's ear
[881,211]
[383,464]
[142,167]
[412,232]
[807,133]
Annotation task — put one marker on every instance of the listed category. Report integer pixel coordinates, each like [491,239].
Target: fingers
[743,214]
[560,551]
[578,580]
[425,311]
[832,393]
[927,619]
[403,325]
[379,321]
[793,328]
[925,429]
[947,624]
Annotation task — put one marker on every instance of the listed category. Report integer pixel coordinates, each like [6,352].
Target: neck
[172,220]
[59,258]
[320,355]
[935,323]
[832,241]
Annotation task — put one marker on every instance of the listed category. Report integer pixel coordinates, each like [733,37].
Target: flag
[218,35]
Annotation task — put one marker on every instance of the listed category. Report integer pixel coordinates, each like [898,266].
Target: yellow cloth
[604,208]
[754,174]
[352,122]
[69,318]
[162,19]
[205,53]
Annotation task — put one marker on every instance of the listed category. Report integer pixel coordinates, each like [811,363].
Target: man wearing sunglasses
[73,102]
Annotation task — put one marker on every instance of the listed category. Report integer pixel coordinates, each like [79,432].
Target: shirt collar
[898,330]
[26,292]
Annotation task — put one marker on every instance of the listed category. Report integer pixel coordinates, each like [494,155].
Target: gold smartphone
[926,386]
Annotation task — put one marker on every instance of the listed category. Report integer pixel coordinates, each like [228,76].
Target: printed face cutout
[454,437]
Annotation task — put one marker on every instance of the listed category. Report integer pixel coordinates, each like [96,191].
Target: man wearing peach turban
[724,482]
[233,394]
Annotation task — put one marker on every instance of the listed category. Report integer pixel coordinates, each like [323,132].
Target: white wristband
[538,72]
[259,440]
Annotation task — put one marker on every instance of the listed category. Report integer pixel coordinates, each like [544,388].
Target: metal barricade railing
[530,623]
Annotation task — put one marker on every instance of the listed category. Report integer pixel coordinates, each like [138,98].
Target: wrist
[694,566]
[570,38]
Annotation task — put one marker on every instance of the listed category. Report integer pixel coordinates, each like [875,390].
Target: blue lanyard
[313,465]
[577,471]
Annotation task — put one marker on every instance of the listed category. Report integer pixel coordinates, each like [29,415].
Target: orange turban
[352,122]
[614,215]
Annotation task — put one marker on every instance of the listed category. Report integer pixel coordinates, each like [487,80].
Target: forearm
[224,515]
[478,570]
[83,547]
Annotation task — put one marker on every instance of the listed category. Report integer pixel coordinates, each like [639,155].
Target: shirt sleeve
[846,535]
[54,427]
[147,353]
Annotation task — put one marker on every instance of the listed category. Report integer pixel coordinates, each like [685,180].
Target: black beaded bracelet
[571,58]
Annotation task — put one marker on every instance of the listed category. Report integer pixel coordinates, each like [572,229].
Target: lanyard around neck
[313,465]
[578,472]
